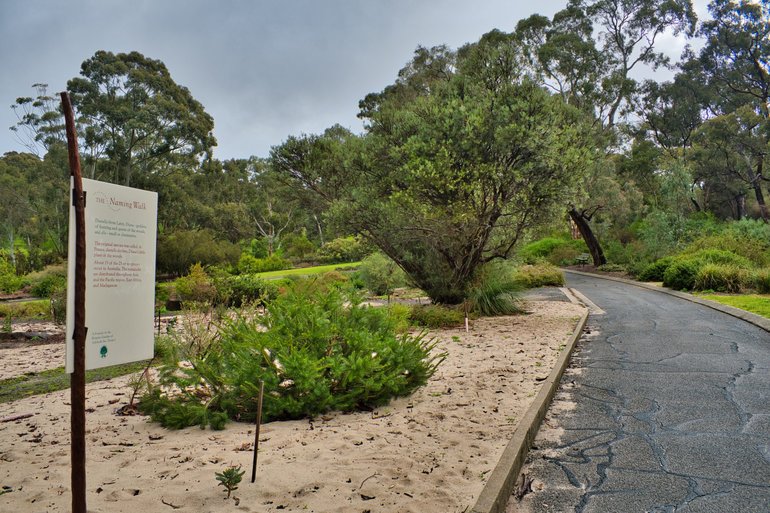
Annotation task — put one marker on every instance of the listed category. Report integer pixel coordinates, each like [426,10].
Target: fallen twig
[173,506]
[17,417]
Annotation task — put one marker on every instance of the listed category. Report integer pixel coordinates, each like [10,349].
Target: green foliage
[381,275]
[681,274]
[495,291]
[298,246]
[558,251]
[196,286]
[400,315]
[251,265]
[315,350]
[230,478]
[656,270]
[258,248]
[26,310]
[612,268]
[759,280]
[539,275]
[43,283]
[721,278]
[437,316]
[343,249]
[58,305]
[9,281]
[243,289]
[755,249]
[179,250]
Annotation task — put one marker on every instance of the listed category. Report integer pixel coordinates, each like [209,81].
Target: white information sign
[121,228]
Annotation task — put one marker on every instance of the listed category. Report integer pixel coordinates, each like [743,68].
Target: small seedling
[229,478]
[7,324]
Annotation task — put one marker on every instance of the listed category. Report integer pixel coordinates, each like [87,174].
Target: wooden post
[256,433]
[78,376]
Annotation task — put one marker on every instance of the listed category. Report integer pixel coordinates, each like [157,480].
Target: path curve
[665,408]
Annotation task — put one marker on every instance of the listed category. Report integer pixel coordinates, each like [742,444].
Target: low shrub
[682,272]
[314,351]
[243,289]
[43,283]
[656,270]
[252,265]
[720,256]
[178,250]
[400,315]
[680,275]
[343,249]
[539,275]
[755,250]
[196,286]
[759,280]
[612,268]
[558,251]
[721,278]
[381,275]
[9,281]
[437,316]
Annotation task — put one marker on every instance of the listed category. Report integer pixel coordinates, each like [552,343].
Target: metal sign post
[78,376]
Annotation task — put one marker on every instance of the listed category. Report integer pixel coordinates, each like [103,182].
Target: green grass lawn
[39,309]
[754,303]
[307,271]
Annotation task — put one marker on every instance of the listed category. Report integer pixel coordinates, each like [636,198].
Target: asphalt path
[665,408]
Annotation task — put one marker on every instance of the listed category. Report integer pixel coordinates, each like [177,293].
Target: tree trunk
[740,206]
[756,183]
[597,255]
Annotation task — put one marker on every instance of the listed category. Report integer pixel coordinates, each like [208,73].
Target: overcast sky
[263,69]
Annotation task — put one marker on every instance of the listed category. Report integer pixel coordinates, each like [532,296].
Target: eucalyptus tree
[587,53]
[462,155]
[138,116]
[736,64]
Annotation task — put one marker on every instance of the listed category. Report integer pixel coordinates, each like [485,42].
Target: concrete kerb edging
[499,487]
[756,320]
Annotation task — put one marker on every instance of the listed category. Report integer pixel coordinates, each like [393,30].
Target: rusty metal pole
[78,376]
[256,432]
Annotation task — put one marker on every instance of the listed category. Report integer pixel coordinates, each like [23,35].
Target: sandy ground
[430,452]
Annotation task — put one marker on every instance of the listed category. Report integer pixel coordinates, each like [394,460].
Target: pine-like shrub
[315,351]
[721,278]
[196,286]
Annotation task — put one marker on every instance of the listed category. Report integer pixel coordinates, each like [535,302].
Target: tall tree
[593,71]
[144,121]
[462,155]
[736,62]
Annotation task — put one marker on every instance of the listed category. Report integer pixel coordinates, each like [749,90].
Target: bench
[582,258]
